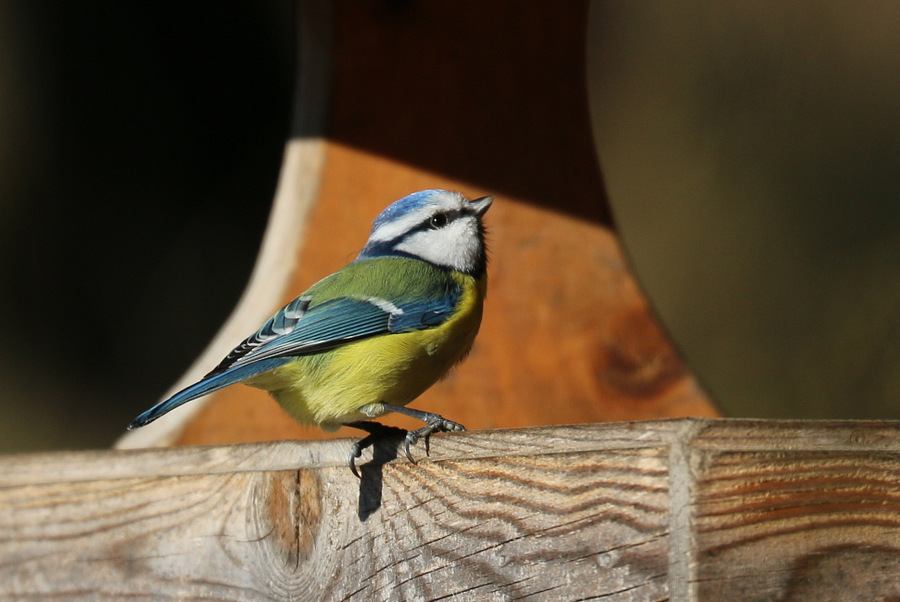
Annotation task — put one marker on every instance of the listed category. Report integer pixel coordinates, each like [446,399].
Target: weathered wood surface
[682,510]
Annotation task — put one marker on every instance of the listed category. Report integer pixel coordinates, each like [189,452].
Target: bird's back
[339,385]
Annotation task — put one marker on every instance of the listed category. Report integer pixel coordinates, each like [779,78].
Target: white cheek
[455,246]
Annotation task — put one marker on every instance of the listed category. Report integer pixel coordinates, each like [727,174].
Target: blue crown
[405,205]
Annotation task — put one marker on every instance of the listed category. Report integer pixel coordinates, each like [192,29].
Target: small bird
[373,336]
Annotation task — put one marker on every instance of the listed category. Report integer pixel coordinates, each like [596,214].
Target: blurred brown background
[750,154]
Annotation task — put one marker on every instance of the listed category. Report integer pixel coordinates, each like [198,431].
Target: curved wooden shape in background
[484,98]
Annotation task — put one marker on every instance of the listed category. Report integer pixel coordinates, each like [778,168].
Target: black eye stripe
[443,218]
[420,227]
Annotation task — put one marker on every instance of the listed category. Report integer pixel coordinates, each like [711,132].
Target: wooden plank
[512,513]
[798,510]
[682,509]
[35,469]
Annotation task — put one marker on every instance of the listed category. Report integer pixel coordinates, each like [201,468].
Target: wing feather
[301,328]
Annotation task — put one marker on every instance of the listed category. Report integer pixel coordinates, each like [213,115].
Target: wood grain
[681,509]
[816,523]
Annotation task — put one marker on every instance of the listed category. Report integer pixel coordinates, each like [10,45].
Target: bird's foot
[377,432]
[433,424]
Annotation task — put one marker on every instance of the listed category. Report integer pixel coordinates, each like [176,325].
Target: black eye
[438,220]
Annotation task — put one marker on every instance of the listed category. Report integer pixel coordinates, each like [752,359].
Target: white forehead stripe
[391,230]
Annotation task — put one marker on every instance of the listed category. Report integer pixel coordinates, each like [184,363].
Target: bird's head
[437,226]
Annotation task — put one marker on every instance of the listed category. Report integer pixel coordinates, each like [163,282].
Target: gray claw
[355,452]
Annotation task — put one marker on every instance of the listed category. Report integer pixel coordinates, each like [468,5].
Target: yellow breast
[335,387]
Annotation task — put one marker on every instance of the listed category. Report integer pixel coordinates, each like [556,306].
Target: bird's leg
[376,431]
[433,423]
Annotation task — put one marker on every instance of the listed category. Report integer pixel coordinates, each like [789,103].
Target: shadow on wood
[683,509]
[371,479]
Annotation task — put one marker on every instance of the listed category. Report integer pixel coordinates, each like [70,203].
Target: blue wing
[298,329]
[204,387]
[340,321]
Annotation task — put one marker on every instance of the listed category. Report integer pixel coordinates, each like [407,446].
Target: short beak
[482,205]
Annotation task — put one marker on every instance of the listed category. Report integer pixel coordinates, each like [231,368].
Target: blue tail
[206,386]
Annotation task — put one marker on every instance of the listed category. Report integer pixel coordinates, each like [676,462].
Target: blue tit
[373,336]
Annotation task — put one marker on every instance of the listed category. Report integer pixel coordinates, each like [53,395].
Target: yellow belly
[349,383]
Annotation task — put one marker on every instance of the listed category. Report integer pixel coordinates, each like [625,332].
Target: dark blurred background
[139,151]
[751,151]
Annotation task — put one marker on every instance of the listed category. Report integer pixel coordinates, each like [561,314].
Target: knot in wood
[283,523]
